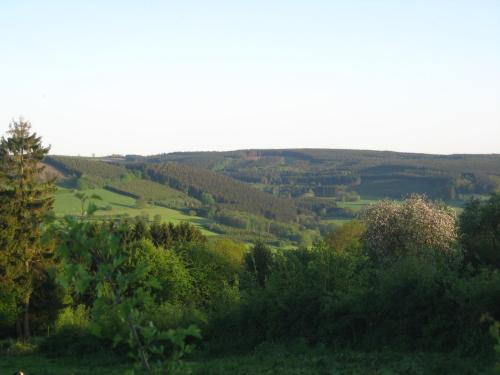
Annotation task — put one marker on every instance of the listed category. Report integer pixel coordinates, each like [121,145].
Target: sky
[146,77]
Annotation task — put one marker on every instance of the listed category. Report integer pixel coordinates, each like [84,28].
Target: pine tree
[25,201]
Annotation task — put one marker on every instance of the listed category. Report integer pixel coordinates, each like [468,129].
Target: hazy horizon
[158,77]
[274,149]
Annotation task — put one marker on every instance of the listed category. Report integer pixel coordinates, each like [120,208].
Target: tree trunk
[26,321]
[19,328]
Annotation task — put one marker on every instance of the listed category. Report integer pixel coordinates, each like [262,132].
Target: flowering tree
[414,224]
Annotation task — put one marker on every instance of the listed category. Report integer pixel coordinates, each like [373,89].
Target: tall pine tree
[25,200]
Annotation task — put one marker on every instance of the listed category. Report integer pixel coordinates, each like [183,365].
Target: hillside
[113,205]
[292,195]
[330,173]
[218,203]
[227,192]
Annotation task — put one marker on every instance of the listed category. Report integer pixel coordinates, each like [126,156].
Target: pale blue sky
[158,76]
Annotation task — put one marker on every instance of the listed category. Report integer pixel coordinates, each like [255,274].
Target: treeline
[225,191]
[247,227]
[79,166]
[153,192]
[404,277]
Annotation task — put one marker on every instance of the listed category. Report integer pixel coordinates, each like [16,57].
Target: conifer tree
[25,200]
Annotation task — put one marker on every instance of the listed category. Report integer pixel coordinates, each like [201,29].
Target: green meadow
[115,205]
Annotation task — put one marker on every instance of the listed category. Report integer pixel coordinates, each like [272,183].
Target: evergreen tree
[258,261]
[25,201]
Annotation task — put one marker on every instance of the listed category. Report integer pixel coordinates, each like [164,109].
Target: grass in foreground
[284,360]
[38,364]
[267,359]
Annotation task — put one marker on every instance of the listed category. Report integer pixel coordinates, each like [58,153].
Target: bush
[416,224]
[77,317]
[71,341]
[14,347]
[8,310]
[347,235]
[170,316]
[233,252]
[209,271]
[480,229]
[258,262]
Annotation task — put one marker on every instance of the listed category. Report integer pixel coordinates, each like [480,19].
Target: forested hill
[206,185]
[155,181]
[322,172]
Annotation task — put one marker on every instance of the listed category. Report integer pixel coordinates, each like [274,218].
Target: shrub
[480,231]
[347,235]
[77,317]
[72,340]
[415,224]
[171,315]
[124,277]
[8,309]
[233,251]
[258,262]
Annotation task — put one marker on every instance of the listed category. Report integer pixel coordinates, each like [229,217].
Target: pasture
[118,205]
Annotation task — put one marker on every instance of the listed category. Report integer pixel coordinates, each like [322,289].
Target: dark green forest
[406,286]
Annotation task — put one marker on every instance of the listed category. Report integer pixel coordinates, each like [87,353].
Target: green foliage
[91,207]
[167,268]
[233,252]
[377,174]
[495,333]
[169,315]
[259,262]
[165,235]
[25,203]
[84,183]
[154,192]
[96,170]
[117,207]
[17,348]
[226,191]
[344,298]
[346,236]
[480,229]
[73,340]
[8,309]
[290,358]
[141,203]
[77,317]
[144,288]
[125,282]
[297,358]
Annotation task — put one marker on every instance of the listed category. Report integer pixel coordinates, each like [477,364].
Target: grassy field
[266,359]
[67,204]
[356,206]
[337,222]
[37,364]
[456,204]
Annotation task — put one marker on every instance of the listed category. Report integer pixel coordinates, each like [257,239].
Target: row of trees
[226,191]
